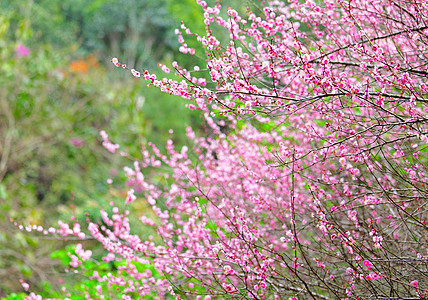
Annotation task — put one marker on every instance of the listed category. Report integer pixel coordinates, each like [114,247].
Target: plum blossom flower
[107,144]
[130,196]
[25,285]
[77,142]
[368,264]
[135,73]
[116,62]
[22,51]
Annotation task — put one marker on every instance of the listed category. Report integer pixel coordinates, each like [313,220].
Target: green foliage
[139,31]
[14,296]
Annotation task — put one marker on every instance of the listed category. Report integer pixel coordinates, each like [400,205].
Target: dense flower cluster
[319,187]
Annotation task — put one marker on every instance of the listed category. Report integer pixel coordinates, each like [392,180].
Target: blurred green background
[58,89]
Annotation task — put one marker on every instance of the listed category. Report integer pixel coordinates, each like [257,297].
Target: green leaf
[3,194]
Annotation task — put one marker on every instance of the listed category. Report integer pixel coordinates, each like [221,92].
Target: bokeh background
[58,89]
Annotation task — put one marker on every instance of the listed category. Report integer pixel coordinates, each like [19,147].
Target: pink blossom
[25,285]
[77,142]
[367,264]
[313,142]
[130,196]
[22,51]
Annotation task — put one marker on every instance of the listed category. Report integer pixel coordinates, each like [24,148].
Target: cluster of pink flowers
[319,185]
[107,144]
[22,51]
